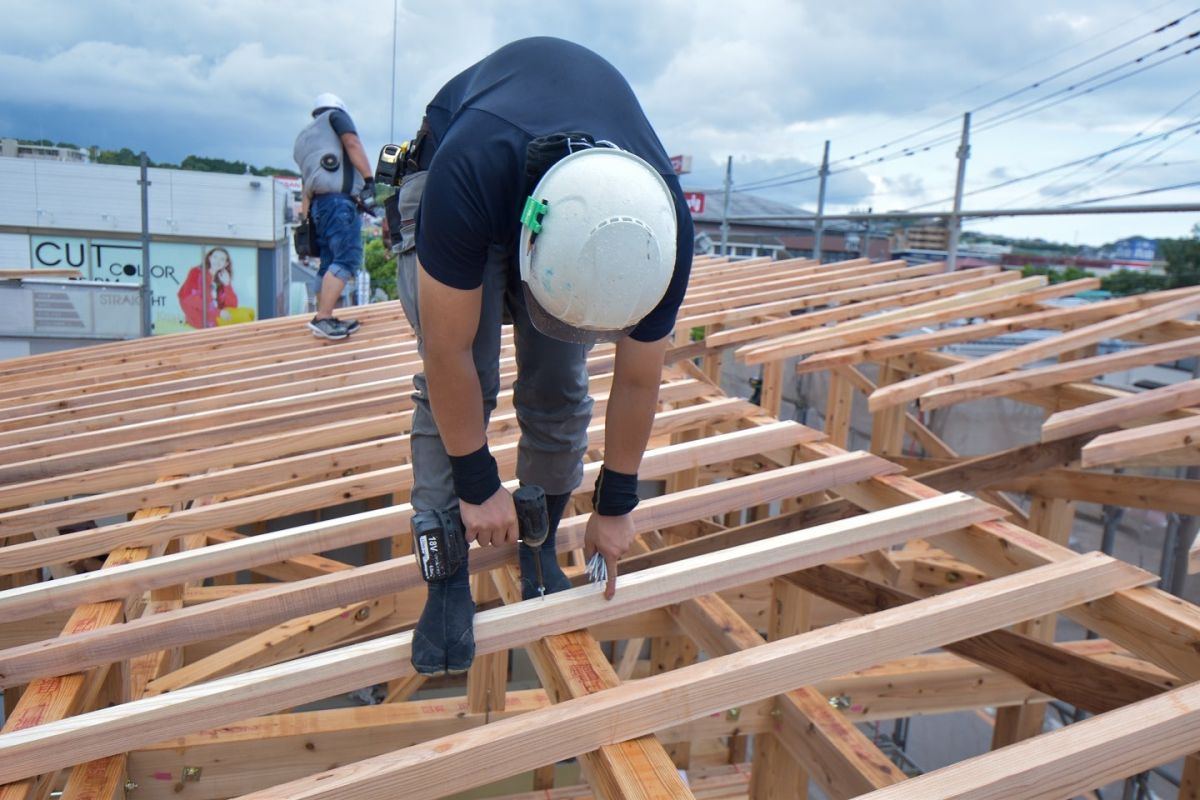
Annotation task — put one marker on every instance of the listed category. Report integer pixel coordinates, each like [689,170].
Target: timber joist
[775,568]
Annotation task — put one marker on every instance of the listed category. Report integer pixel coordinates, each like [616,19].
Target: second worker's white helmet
[597,247]
[327,100]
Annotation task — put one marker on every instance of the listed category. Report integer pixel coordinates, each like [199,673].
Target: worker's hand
[612,538]
[492,523]
[366,195]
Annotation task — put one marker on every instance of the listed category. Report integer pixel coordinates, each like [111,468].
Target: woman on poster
[206,297]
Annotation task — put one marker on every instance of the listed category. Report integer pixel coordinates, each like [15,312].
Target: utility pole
[818,225]
[955,222]
[725,210]
[395,23]
[147,297]
[865,250]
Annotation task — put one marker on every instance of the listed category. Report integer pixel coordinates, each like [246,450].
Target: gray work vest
[317,148]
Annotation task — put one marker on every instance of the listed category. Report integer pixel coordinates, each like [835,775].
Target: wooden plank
[1128,491]
[777,774]
[1157,626]
[1026,380]
[305,497]
[1121,410]
[102,733]
[902,293]
[120,476]
[839,407]
[1046,317]
[297,541]
[987,470]
[1149,440]
[1070,760]
[1051,669]
[572,665]
[864,277]
[239,613]
[33,468]
[975,303]
[296,637]
[457,762]
[263,751]
[843,761]
[69,691]
[1001,362]
[736,317]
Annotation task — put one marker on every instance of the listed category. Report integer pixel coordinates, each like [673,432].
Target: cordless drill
[440,544]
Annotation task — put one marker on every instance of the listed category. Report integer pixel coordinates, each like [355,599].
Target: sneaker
[329,328]
[351,324]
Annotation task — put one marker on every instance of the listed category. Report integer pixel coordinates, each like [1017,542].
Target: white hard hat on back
[327,100]
[597,245]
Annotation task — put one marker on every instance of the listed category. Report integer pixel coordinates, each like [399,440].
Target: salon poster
[193,286]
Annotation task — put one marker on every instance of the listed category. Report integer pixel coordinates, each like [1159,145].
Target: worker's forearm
[632,404]
[627,425]
[456,399]
[358,156]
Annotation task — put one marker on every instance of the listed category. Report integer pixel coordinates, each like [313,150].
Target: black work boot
[552,574]
[444,639]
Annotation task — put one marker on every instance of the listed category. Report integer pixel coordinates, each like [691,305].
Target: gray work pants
[550,395]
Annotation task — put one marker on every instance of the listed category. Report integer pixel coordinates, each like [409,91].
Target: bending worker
[540,194]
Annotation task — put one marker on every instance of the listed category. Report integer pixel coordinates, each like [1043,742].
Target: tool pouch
[304,237]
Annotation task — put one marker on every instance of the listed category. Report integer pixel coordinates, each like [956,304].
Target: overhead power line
[812,173]
[1192,125]
[1132,194]
[1135,137]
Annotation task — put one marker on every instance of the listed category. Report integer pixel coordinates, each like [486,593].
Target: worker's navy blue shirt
[480,124]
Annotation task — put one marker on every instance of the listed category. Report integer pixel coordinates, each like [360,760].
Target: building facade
[218,250]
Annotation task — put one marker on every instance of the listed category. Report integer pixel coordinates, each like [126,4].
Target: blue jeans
[339,231]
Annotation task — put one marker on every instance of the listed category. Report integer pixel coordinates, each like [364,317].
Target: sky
[765,82]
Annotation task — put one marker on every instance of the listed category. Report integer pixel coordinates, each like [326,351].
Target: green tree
[1129,281]
[1054,275]
[1183,261]
[381,268]
[203,164]
[124,157]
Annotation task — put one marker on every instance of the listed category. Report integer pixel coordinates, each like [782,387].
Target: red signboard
[695,201]
[681,164]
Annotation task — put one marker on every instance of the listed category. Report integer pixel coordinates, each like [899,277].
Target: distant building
[11,148]
[218,250]
[780,238]
[1136,249]
[922,237]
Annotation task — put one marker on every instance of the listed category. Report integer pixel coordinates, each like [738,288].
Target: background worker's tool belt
[304,238]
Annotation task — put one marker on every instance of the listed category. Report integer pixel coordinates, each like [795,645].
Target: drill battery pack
[438,543]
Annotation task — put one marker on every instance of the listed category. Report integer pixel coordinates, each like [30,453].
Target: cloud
[767,82]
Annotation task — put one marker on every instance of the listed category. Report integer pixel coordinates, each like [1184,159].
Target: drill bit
[537,562]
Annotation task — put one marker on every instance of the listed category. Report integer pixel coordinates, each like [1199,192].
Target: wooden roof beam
[913,388]
[475,757]
[1148,440]
[102,733]
[1122,410]
[286,601]
[839,757]
[1068,372]
[1070,760]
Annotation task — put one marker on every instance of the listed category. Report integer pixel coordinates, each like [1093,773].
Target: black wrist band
[615,493]
[476,476]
